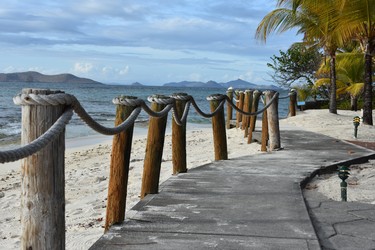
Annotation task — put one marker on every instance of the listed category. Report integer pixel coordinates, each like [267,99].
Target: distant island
[32,76]
[236,84]
[36,77]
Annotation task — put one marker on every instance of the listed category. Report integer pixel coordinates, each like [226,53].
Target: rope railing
[71,101]
[257,112]
[39,143]
[218,97]
[65,104]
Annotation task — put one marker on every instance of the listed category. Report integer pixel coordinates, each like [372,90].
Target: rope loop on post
[130,101]
[160,99]
[215,97]
[254,113]
[181,97]
[292,92]
[44,100]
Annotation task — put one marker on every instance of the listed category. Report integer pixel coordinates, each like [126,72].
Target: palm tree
[350,71]
[360,25]
[317,20]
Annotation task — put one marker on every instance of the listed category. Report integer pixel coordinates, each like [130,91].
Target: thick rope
[220,98]
[51,134]
[165,101]
[81,112]
[254,113]
[292,92]
[70,100]
[181,97]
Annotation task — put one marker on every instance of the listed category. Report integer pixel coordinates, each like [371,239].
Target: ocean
[97,101]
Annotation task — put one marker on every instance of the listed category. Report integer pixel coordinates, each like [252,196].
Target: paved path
[252,202]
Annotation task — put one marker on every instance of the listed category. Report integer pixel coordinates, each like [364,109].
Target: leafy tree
[350,72]
[318,20]
[360,25]
[298,63]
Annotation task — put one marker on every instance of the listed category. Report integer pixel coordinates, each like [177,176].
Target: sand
[361,183]
[87,170]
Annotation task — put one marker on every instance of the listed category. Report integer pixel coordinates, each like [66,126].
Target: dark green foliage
[298,64]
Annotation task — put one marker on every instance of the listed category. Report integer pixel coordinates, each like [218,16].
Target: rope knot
[54,98]
[131,101]
[160,99]
[216,97]
[181,96]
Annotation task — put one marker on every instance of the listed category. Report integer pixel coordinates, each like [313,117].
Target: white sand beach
[87,171]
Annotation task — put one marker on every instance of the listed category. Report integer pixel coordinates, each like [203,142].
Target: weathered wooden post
[119,168]
[254,108]
[43,179]
[154,148]
[240,106]
[218,127]
[292,102]
[246,108]
[273,121]
[229,107]
[264,131]
[179,136]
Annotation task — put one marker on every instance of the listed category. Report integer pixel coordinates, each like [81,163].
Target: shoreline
[87,163]
[87,171]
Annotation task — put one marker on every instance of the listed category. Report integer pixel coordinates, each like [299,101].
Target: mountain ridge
[239,83]
[33,76]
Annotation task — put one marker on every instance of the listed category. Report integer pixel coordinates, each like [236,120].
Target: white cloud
[124,71]
[9,69]
[83,67]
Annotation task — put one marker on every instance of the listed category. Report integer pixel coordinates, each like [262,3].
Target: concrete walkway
[252,202]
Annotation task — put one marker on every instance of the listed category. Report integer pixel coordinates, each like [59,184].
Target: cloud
[124,71]
[83,67]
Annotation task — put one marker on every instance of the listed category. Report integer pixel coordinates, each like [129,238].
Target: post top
[41,91]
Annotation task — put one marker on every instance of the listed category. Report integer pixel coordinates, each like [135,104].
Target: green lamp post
[343,175]
[356,121]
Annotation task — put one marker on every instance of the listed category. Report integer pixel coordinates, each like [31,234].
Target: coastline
[87,162]
[87,171]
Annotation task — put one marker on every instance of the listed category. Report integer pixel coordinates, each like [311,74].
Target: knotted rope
[73,104]
[181,97]
[254,113]
[217,97]
[292,92]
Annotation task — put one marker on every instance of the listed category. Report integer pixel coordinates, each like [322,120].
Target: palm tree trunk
[367,93]
[353,103]
[332,99]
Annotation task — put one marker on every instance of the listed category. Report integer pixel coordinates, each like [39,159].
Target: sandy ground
[87,171]
[361,183]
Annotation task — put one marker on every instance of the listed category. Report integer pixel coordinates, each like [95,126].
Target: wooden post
[154,150]
[218,127]
[240,106]
[119,168]
[273,121]
[292,103]
[43,179]
[249,108]
[229,107]
[246,118]
[179,138]
[254,108]
[264,132]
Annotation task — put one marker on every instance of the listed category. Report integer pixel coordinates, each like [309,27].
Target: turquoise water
[97,100]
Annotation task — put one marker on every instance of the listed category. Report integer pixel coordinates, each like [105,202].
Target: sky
[150,41]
